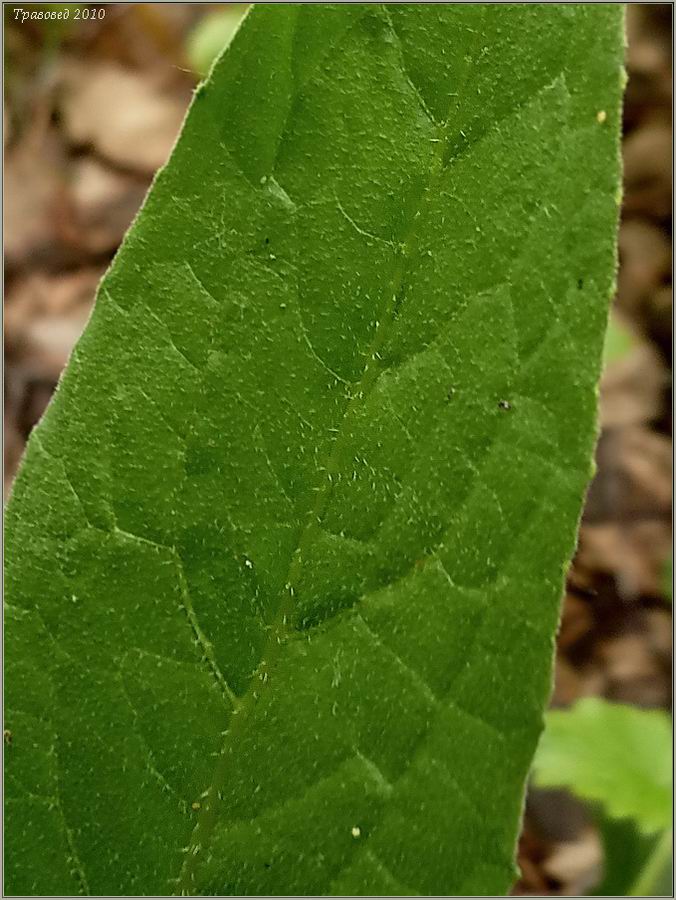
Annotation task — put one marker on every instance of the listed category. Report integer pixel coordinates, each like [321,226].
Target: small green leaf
[617,755]
[211,34]
[619,341]
[656,879]
[286,553]
[626,851]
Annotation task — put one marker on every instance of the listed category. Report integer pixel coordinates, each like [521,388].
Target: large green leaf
[286,552]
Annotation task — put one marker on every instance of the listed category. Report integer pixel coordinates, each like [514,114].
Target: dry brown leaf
[104,204]
[647,172]
[632,389]
[577,865]
[633,480]
[44,317]
[35,185]
[120,114]
[632,553]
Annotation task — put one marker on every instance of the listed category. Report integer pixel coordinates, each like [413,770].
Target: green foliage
[285,554]
[211,34]
[626,850]
[620,758]
[656,879]
[619,341]
[617,755]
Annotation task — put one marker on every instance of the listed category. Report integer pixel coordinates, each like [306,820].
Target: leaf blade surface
[287,546]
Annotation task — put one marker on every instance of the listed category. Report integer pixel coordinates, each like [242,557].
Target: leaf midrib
[279,630]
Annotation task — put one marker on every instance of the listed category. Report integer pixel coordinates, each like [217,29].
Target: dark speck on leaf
[580,284]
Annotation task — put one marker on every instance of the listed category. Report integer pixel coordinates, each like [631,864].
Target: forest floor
[91,113]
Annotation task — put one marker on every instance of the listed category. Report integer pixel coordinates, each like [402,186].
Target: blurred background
[92,108]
